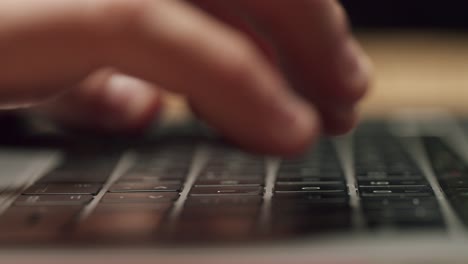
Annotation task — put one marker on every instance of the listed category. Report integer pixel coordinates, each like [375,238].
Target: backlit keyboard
[207,191]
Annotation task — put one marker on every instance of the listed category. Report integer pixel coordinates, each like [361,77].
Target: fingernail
[355,66]
[131,97]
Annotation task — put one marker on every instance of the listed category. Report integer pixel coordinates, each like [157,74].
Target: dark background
[442,14]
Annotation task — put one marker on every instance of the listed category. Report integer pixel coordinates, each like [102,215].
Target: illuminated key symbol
[226,191]
[33,199]
[160,188]
[155,197]
[310,188]
[229,182]
[82,185]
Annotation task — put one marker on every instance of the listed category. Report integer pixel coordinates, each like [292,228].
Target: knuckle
[120,14]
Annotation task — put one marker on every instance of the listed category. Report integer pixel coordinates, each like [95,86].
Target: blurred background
[420,52]
[446,14]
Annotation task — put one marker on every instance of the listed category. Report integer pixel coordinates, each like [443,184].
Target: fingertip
[300,133]
[354,72]
[340,121]
[290,135]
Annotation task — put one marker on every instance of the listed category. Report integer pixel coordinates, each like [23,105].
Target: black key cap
[309,196]
[217,201]
[312,187]
[392,182]
[457,192]
[226,190]
[313,191]
[391,177]
[304,173]
[308,180]
[400,203]
[78,167]
[246,181]
[50,200]
[207,212]
[75,176]
[233,167]
[397,192]
[145,187]
[166,174]
[414,218]
[53,188]
[124,198]
[395,187]
[312,205]
[226,175]
[454,183]
[311,181]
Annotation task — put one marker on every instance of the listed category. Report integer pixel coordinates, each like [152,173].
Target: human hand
[268,74]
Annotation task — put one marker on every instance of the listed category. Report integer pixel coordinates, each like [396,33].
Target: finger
[322,59]
[165,42]
[335,101]
[230,15]
[105,102]
[317,46]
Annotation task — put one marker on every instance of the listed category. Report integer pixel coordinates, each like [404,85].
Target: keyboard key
[397,192]
[226,175]
[148,175]
[392,182]
[299,173]
[217,201]
[454,183]
[202,213]
[391,177]
[310,206]
[226,190]
[124,198]
[246,181]
[53,188]
[423,187]
[400,203]
[48,200]
[419,217]
[301,182]
[82,166]
[314,187]
[145,187]
[75,176]
[310,195]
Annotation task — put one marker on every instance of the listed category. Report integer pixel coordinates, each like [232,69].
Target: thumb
[105,102]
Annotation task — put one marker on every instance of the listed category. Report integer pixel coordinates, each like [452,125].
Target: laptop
[393,191]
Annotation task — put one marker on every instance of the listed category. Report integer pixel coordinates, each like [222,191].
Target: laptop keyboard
[175,192]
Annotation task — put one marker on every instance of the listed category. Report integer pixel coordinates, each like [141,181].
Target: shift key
[74,188]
